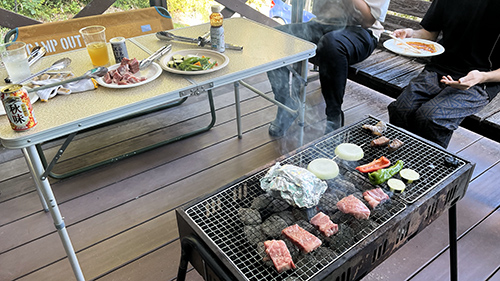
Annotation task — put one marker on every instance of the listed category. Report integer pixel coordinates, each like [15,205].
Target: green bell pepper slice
[382,175]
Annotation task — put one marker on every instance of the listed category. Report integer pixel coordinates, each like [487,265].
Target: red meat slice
[302,238]
[279,254]
[133,65]
[324,224]
[125,61]
[124,73]
[375,197]
[354,206]
[107,78]
[116,77]
[122,69]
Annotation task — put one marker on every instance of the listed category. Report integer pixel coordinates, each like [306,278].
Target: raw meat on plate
[279,254]
[354,206]
[324,224]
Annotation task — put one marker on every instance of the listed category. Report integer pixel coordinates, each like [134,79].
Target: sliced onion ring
[323,168]
[349,152]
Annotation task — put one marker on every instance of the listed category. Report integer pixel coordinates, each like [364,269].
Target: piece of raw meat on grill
[324,224]
[279,254]
[302,238]
[395,145]
[382,141]
[375,197]
[261,251]
[354,206]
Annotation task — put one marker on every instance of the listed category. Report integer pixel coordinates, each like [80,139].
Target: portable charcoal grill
[220,247]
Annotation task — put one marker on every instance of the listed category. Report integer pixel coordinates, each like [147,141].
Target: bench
[389,73]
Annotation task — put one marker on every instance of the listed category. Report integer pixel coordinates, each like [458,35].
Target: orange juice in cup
[95,40]
[98,52]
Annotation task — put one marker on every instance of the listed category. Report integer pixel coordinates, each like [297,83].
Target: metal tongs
[159,53]
[93,73]
[202,41]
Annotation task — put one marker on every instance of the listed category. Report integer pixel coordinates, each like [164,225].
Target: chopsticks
[413,49]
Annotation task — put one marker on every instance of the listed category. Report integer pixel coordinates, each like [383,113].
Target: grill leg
[452,225]
[189,244]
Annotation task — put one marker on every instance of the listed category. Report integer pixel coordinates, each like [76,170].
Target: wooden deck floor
[121,218]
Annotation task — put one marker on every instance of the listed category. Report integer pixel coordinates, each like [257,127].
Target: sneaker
[332,125]
[280,125]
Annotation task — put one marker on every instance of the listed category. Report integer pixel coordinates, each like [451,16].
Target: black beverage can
[119,48]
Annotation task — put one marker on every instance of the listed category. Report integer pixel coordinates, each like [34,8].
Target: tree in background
[55,10]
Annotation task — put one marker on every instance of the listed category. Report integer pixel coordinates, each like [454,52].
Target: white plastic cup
[15,60]
[95,40]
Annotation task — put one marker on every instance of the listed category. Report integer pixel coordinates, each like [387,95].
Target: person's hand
[403,33]
[472,78]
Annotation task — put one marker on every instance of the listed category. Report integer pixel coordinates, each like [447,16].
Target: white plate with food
[150,73]
[427,48]
[194,61]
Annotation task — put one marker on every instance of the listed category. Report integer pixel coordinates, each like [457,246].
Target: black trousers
[433,110]
[338,46]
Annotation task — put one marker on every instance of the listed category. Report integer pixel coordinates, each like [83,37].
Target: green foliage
[56,10]
[131,4]
[196,8]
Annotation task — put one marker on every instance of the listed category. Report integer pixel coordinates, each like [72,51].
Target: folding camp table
[67,115]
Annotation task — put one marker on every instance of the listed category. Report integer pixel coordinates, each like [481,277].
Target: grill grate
[417,155]
[217,216]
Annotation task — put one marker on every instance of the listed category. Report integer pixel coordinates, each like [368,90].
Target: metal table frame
[107,106]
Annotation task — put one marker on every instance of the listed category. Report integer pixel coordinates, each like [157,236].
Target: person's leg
[420,90]
[280,79]
[438,118]
[336,51]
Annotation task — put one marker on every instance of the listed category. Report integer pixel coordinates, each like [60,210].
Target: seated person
[459,82]
[346,32]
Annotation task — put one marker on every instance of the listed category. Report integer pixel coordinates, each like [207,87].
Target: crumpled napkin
[65,89]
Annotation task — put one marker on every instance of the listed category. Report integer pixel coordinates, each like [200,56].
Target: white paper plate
[398,48]
[151,73]
[222,61]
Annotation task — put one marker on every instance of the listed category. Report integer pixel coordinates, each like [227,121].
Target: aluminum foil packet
[296,185]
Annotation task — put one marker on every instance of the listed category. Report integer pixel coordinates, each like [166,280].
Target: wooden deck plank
[478,253]
[114,194]
[119,215]
[224,115]
[481,198]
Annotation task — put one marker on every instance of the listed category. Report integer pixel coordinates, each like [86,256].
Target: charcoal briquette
[287,216]
[254,234]
[277,206]
[249,216]
[328,202]
[273,225]
[260,202]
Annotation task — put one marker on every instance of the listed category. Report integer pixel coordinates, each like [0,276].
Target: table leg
[302,106]
[238,109]
[35,179]
[452,225]
[31,155]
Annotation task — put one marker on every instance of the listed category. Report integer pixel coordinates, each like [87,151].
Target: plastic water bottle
[217,30]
